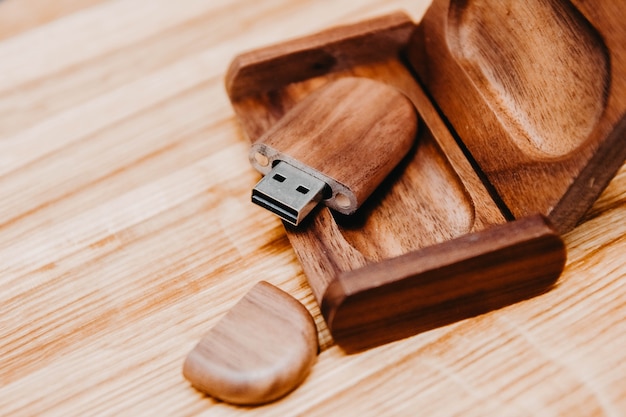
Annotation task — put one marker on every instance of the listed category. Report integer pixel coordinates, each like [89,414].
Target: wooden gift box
[522,125]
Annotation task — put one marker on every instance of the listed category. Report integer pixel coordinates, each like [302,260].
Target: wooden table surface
[126,233]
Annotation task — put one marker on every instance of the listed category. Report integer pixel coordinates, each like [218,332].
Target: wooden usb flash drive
[348,135]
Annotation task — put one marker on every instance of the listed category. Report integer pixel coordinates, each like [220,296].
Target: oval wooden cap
[262,349]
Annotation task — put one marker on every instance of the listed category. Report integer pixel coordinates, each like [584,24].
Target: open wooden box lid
[522,115]
[536,90]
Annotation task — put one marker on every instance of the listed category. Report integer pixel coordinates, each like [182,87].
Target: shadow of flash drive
[335,146]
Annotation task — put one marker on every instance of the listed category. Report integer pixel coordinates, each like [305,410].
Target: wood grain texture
[19,15]
[351,134]
[126,232]
[258,352]
[540,104]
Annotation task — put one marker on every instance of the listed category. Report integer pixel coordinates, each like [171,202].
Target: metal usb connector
[288,192]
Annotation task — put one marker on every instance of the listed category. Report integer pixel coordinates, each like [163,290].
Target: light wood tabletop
[126,233]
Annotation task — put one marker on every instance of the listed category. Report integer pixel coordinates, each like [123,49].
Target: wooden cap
[262,349]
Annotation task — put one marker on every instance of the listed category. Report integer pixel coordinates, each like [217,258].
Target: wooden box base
[435,243]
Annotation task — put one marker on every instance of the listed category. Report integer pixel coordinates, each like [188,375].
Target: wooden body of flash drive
[350,134]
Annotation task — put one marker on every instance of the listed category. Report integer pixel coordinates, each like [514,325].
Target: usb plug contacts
[288,192]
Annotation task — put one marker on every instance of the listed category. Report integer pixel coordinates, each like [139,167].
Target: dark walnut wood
[331,50]
[452,216]
[536,90]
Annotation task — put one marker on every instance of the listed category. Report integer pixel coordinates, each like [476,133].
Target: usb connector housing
[335,146]
[288,192]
